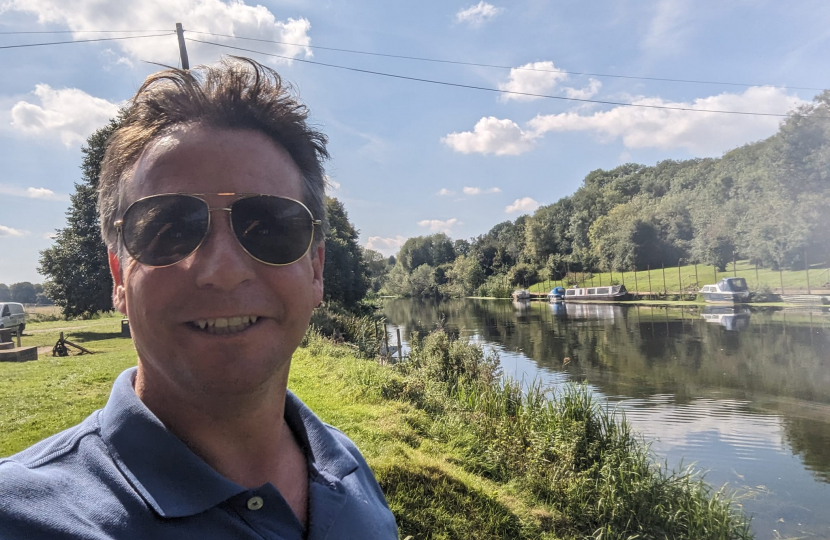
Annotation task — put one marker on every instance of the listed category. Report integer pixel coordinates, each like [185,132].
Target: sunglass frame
[119,224]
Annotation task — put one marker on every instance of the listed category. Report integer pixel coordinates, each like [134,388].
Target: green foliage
[76,265]
[433,250]
[5,293]
[345,275]
[377,269]
[23,292]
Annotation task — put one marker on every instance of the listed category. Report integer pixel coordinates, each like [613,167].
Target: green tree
[5,293]
[76,265]
[345,275]
[23,292]
[377,268]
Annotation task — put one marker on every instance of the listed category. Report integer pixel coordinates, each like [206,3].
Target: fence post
[386,341]
[781,277]
[807,269]
[697,281]
[611,281]
[665,291]
[734,266]
[715,267]
[400,346]
[636,285]
[648,268]
[679,277]
[757,281]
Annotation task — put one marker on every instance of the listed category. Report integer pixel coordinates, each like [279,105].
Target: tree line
[24,292]
[767,201]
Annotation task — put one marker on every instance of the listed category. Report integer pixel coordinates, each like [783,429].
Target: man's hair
[237,93]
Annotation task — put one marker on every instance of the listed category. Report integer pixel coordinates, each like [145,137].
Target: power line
[79,31]
[82,41]
[497,66]
[497,90]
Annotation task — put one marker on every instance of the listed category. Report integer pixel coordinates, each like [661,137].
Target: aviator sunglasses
[162,230]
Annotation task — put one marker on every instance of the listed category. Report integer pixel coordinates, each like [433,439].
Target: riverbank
[458,454]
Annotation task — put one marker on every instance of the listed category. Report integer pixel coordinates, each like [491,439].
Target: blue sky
[410,158]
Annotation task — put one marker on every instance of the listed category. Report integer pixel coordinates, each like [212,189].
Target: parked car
[12,315]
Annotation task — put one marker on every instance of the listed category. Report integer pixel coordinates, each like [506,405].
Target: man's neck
[243,437]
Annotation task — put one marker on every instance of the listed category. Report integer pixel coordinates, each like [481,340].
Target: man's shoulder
[52,449]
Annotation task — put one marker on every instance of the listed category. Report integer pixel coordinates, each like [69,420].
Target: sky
[410,158]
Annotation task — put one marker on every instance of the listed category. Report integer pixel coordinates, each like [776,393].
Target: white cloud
[32,193]
[480,191]
[492,136]
[69,114]
[701,133]
[525,204]
[668,28]
[436,225]
[478,14]
[444,192]
[232,17]
[387,246]
[584,93]
[332,186]
[533,78]
[8,232]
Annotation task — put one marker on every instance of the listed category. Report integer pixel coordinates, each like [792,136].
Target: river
[743,395]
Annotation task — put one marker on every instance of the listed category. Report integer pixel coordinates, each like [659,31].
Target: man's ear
[119,297]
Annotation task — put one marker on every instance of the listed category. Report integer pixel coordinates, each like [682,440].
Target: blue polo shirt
[121,474]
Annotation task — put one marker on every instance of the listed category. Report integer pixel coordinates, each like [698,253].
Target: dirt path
[64,328]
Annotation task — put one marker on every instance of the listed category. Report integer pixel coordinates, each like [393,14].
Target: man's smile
[225,325]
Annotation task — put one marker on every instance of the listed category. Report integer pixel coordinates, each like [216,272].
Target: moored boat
[732,290]
[521,294]
[611,292]
[557,294]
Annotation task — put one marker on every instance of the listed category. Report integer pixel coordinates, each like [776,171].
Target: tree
[345,275]
[23,292]
[5,293]
[76,265]
[377,268]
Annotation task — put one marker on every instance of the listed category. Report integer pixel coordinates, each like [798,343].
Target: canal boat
[732,290]
[611,292]
[557,294]
[521,294]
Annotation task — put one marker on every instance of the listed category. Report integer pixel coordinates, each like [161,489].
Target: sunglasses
[162,230]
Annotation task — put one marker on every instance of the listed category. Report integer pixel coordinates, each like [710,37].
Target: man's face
[220,280]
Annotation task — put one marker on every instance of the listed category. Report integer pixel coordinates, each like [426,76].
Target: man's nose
[220,262]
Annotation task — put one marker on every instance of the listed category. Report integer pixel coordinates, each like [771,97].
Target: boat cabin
[611,292]
[728,290]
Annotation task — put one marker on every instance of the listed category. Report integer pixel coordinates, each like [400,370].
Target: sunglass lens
[272,229]
[165,229]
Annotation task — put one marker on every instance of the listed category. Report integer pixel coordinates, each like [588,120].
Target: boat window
[603,290]
[570,292]
[738,284]
[592,291]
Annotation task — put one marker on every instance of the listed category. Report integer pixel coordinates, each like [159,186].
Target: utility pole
[182,47]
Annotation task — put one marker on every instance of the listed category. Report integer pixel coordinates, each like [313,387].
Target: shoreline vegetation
[460,450]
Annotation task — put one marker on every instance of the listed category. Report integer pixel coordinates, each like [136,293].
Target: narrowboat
[731,290]
[557,294]
[521,294]
[611,292]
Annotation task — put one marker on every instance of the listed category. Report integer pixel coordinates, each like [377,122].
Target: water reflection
[734,318]
[745,395]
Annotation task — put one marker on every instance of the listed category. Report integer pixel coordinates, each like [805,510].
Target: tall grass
[563,448]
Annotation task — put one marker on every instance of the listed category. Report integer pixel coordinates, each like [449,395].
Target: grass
[795,281]
[459,451]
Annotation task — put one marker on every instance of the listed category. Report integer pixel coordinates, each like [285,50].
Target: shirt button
[255,503]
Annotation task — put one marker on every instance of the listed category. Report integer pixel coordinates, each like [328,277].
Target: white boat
[732,290]
[521,294]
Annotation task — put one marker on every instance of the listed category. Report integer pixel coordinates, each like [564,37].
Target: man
[212,208]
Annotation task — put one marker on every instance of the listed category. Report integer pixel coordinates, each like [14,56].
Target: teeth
[227,325]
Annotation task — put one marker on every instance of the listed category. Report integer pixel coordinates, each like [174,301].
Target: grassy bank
[459,452]
[795,281]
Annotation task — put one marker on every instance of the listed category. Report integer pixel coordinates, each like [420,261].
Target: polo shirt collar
[176,482]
